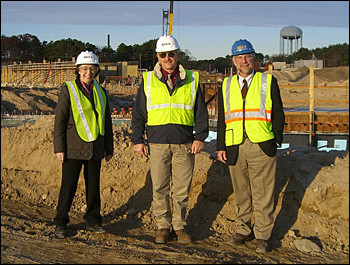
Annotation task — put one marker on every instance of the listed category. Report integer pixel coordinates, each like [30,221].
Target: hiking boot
[61,232]
[162,235]
[96,229]
[238,239]
[262,246]
[182,236]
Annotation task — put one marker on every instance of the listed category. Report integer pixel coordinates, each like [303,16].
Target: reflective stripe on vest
[256,113]
[163,108]
[88,127]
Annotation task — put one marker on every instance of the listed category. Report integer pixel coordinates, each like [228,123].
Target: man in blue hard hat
[249,130]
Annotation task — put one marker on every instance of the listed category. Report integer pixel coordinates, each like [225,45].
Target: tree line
[27,47]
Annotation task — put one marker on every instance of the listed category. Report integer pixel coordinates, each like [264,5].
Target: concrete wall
[279,65]
[128,69]
[316,63]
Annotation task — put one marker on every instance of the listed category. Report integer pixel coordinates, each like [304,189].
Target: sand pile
[312,188]
[312,200]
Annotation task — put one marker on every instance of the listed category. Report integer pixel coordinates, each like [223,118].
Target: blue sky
[207,29]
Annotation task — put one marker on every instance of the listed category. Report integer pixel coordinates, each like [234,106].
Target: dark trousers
[70,176]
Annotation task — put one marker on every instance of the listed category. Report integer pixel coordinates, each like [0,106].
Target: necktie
[244,88]
[170,82]
[90,89]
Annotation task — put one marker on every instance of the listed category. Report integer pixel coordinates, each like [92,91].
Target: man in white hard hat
[170,102]
[82,136]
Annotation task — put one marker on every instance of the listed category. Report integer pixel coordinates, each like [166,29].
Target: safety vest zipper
[244,103]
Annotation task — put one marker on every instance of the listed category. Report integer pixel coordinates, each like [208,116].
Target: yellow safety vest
[255,111]
[177,108]
[87,124]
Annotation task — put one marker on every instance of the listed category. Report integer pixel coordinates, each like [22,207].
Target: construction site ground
[312,197]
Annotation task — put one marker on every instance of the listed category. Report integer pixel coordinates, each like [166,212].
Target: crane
[168,17]
[165,22]
[171,19]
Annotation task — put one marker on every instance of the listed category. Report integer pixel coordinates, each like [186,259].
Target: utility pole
[140,60]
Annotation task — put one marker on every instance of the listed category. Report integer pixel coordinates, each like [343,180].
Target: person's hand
[141,149]
[197,147]
[108,157]
[60,156]
[222,156]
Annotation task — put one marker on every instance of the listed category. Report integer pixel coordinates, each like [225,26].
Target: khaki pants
[171,168]
[253,181]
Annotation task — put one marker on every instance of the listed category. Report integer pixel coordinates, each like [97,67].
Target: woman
[82,136]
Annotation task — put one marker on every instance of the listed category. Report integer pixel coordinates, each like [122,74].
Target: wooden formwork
[54,73]
[211,99]
[324,122]
[209,84]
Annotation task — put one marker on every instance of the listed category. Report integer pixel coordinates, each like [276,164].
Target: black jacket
[169,133]
[66,138]
[269,147]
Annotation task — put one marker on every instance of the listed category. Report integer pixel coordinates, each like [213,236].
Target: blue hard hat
[241,47]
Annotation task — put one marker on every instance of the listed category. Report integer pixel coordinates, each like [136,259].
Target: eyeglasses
[170,54]
[85,69]
[247,57]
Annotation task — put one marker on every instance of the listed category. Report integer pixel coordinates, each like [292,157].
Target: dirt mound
[35,100]
[310,204]
[335,74]
[300,76]
[304,70]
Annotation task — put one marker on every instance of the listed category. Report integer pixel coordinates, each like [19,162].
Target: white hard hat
[167,43]
[86,57]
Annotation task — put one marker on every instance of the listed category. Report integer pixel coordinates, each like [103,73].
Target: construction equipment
[166,18]
[171,19]
[165,22]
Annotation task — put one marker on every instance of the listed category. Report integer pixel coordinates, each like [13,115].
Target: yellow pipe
[171,18]
[171,24]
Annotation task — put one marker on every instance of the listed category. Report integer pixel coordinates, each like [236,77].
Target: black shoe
[262,246]
[96,229]
[238,239]
[61,232]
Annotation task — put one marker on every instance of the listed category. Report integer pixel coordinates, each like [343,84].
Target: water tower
[290,34]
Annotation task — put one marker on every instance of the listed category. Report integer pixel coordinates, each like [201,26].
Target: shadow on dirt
[132,211]
[214,195]
[291,186]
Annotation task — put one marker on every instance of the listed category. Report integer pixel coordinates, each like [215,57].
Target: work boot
[162,235]
[96,229]
[238,239]
[182,236]
[262,246]
[61,232]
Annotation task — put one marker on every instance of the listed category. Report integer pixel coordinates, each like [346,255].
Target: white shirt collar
[249,79]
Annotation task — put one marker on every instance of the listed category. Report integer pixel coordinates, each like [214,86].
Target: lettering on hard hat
[88,56]
[163,44]
[241,47]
